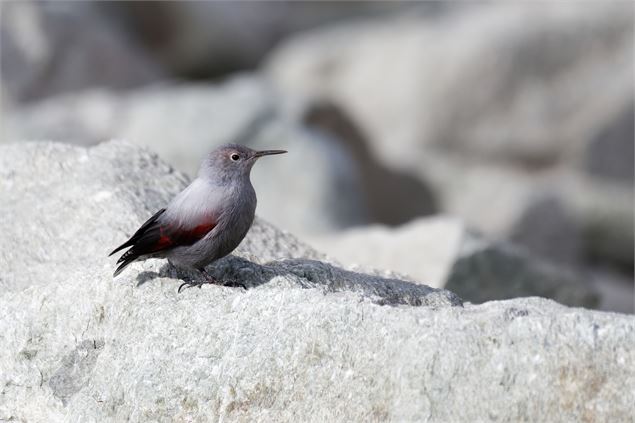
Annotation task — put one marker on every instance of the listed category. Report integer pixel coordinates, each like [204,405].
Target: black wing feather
[139,234]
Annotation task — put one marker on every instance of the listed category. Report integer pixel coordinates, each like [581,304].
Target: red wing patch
[170,236]
[160,236]
[163,243]
[201,230]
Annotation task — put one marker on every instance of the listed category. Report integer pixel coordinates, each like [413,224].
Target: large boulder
[299,344]
[96,350]
[66,207]
[442,252]
[55,47]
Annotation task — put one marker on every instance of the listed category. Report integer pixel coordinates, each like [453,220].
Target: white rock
[92,349]
[78,345]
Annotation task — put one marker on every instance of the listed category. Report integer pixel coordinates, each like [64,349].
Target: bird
[204,222]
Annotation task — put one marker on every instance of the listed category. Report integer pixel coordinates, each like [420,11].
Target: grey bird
[207,220]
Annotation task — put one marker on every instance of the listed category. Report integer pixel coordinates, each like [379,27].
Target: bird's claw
[199,284]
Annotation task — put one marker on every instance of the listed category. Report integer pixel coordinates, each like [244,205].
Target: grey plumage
[207,220]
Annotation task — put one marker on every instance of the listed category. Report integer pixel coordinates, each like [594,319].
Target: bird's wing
[159,234]
[185,221]
[148,223]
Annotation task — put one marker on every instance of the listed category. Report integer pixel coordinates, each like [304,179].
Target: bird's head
[232,161]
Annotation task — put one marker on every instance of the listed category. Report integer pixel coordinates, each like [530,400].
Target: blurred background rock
[515,119]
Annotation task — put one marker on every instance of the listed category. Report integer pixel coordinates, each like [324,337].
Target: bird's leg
[208,279]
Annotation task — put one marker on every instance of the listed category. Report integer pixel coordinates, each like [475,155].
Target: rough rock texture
[55,47]
[63,207]
[78,345]
[275,353]
[318,180]
[442,252]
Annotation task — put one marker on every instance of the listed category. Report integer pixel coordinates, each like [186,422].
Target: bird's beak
[268,153]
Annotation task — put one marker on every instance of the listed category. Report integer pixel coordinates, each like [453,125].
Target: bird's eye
[235,157]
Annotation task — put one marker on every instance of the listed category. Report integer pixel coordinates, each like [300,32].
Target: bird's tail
[127,258]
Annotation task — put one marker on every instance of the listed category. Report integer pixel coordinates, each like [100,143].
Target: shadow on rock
[316,274]
[166,271]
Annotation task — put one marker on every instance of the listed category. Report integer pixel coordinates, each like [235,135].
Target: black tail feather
[127,258]
[133,239]
[121,247]
[128,255]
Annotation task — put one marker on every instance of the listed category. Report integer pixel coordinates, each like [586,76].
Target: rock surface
[443,253]
[146,354]
[78,345]
[66,207]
